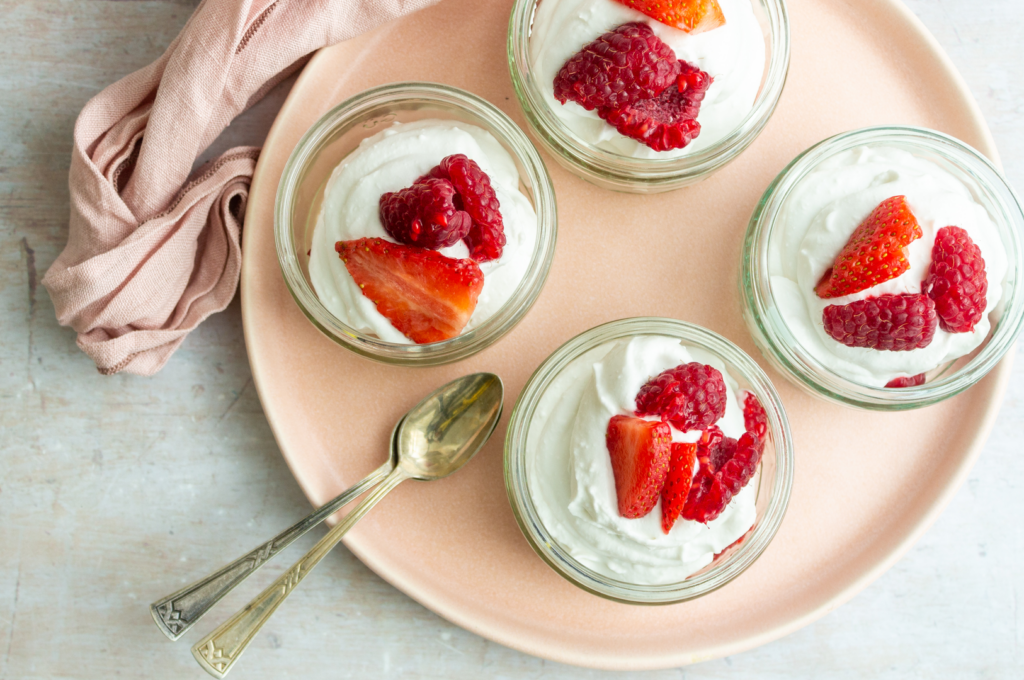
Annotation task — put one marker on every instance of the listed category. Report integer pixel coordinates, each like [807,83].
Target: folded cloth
[152,252]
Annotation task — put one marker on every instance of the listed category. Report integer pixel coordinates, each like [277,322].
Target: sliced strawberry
[692,16]
[677,484]
[874,253]
[726,466]
[640,451]
[425,295]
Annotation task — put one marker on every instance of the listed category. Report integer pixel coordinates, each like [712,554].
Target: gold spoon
[437,437]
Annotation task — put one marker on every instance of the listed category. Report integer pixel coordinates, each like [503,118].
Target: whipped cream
[733,54]
[821,214]
[390,161]
[570,472]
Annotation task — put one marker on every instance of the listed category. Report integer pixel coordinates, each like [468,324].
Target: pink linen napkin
[151,251]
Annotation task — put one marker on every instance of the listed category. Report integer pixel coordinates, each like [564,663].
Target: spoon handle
[177,612]
[218,651]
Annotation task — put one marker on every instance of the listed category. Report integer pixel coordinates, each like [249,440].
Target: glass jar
[337,134]
[774,478]
[780,345]
[643,175]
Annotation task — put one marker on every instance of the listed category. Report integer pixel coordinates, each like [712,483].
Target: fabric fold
[153,248]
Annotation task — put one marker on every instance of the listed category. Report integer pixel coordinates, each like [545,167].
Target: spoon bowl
[441,433]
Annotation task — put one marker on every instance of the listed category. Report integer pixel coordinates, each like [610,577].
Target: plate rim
[611,661]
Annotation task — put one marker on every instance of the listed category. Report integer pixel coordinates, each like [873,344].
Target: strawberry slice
[425,295]
[874,253]
[692,16]
[640,451]
[677,484]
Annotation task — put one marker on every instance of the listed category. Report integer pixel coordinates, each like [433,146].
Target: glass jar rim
[557,557]
[777,341]
[562,141]
[542,197]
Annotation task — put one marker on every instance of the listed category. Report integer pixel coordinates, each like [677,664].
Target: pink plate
[454,545]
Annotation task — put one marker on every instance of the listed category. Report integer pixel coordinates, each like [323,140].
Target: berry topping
[690,396]
[677,483]
[486,241]
[896,323]
[425,295]
[475,195]
[692,16]
[721,449]
[620,67]
[668,121]
[726,465]
[956,280]
[424,215]
[906,381]
[755,420]
[640,451]
[875,251]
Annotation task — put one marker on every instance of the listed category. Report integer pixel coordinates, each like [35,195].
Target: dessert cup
[644,175]
[780,345]
[337,134]
[774,479]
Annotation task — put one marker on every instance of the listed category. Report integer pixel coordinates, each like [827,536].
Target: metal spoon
[179,611]
[437,437]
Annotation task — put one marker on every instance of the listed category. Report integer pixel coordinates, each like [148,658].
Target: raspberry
[895,323]
[726,466]
[619,68]
[424,215]
[956,280]
[755,420]
[874,252]
[668,121]
[722,449]
[475,195]
[485,241]
[906,381]
[690,396]
[739,469]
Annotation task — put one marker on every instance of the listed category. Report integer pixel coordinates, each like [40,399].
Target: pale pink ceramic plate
[454,545]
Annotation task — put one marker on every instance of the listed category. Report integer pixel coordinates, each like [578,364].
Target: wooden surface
[116,490]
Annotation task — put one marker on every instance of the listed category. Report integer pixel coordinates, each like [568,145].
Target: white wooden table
[116,490]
